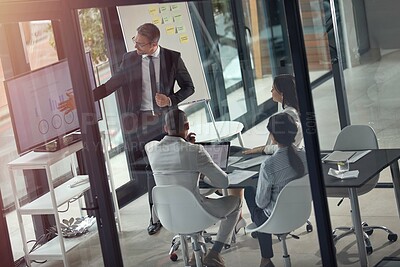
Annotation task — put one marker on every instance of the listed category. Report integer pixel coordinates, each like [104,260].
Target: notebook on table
[350,156]
[338,156]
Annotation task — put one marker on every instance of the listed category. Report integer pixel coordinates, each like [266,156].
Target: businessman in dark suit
[146,77]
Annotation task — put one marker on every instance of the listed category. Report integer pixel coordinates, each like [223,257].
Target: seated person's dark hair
[175,120]
[284,129]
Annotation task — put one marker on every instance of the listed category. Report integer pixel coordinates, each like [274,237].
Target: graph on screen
[33,99]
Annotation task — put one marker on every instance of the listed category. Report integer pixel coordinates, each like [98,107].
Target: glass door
[229,56]
[254,48]
[270,55]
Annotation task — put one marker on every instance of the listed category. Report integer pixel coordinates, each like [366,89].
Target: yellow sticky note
[170,30]
[178,18]
[153,10]
[156,20]
[180,29]
[175,7]
[167,19]
[164,8]
[184,39]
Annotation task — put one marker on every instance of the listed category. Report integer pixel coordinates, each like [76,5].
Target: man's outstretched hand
[68,105]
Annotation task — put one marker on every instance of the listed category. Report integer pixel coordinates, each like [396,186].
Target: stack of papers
[343,175]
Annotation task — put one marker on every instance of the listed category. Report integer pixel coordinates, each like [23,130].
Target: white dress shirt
[147,96]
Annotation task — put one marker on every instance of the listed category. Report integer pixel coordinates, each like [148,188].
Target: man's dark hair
[150,31]
[175,120]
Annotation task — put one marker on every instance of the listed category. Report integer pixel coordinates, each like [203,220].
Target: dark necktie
[153,82]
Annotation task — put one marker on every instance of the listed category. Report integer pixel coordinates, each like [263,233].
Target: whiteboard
[177,34]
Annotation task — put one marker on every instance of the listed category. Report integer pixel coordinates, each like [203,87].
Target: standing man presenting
[146,77]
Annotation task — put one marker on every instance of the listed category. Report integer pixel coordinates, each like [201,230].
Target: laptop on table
[219,152]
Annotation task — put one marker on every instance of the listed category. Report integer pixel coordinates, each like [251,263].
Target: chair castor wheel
[369,250]
[392,237]
[173,256]
[208,239]
[309,228]
[368,231]
[254,234]
[226,246]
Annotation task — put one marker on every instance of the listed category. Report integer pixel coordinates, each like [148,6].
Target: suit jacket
[175,161]
[129,78]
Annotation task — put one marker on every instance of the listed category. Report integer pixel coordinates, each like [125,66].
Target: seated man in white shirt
[175,153]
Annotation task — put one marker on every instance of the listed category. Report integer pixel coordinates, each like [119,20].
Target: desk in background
[368,166]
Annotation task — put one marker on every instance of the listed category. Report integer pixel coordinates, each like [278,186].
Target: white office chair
[291,211]
[357,137]
[180,212]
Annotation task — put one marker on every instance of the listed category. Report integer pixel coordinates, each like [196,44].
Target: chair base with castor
[309,227]
[367,231]
[286,256]
[199,248]
[282,239]
[204,238]
[182,240]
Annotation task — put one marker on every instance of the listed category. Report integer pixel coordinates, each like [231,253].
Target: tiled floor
[139,249]
[374,100]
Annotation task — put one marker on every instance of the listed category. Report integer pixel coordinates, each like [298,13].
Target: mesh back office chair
[292,209]
[180,212]
[357,137]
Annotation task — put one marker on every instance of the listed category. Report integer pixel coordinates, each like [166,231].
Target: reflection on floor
[373,97]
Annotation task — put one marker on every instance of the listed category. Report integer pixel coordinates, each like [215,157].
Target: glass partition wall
[242,45]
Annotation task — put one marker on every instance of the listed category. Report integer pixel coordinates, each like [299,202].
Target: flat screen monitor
[33,98]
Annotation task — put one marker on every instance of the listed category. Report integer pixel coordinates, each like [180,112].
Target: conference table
[368,166]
